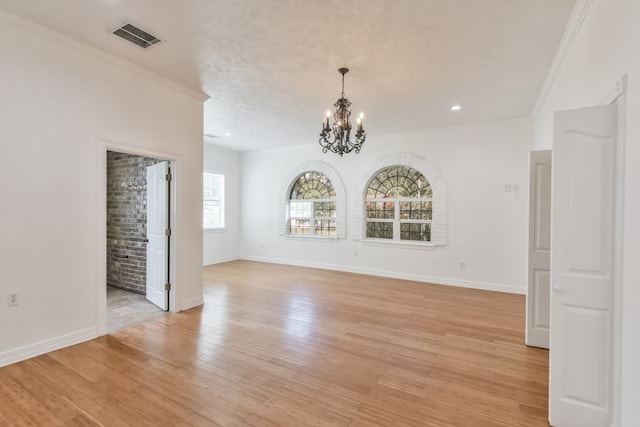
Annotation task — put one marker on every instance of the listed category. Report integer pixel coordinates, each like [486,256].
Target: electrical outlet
[462,264]
[12,299]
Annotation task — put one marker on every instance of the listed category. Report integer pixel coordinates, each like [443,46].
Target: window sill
[312,238]
[399,244]
[214,230]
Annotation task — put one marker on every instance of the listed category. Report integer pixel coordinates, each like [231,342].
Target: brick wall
[127,220]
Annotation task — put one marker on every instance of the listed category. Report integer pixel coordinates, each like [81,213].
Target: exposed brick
[127,220]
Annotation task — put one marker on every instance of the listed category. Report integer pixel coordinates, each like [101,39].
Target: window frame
[397,220]
[221,200]
[438,196]
[312,218]
[288,180]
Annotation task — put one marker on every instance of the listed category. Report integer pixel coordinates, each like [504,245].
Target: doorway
[127,253]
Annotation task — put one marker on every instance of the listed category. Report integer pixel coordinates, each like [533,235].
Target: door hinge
[168,176]
[167,287]
[167,232]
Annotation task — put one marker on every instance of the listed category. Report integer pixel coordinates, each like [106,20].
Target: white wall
[224,245]
[607,46]
[487,228]
[61,105]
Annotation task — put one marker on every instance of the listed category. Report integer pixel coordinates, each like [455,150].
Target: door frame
[618,95]
[104,145]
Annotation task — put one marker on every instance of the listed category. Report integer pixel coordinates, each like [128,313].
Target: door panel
[580,364]
[542,291]
[157,224]
[584,375]
[538,292]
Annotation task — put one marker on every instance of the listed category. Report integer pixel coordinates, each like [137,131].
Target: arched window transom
[312,205]
[398,205]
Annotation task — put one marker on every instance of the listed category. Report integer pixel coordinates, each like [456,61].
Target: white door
[539,281]
[582,265]
[157,225]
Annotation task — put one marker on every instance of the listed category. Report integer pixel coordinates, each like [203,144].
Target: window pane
[413,231]
[380,230]
[300,209]
[300,226]
[416,210]
[213,200]
[312,185]
[212,214]
[212,185]
[324,209]
[399,181]
[380,210]
[325,227]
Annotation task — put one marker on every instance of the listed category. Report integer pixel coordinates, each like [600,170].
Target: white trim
[341,198]
[221,260]
[313,238]
[46,346]
[51,34]
[578,15]
[404,244]
[175,160]
[193,302]
[496,287]
[617,91]
[214,230]
[422,165]
[621,105]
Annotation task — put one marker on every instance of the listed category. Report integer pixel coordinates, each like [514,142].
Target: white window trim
[438,187]
[340,200]
[224,205]
[396,220]
[213,230]
[407,244]
[312,218]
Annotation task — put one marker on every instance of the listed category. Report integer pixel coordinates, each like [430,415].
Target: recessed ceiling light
[456,108]
[227,134]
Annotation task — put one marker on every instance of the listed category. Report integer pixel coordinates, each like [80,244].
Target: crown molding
[578,15]
[51,34]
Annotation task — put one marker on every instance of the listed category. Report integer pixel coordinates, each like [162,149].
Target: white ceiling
[270,66]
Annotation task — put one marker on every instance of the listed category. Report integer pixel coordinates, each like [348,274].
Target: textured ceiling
[270,66]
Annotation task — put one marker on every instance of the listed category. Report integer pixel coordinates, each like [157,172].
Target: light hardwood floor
[282,345]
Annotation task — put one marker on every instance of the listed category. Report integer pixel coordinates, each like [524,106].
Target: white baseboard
[221,260]
[46,346]
[396,275]
[193,302]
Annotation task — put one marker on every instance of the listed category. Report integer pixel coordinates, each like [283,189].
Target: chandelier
[340,130]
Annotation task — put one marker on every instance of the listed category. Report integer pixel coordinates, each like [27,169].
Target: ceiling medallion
[341,128]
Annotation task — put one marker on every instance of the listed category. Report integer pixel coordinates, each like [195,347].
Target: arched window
[312,205]
[398,205]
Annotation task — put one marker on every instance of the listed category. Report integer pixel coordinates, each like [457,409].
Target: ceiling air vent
[136,35]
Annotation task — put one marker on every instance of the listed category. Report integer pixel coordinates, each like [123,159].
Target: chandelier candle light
[341,128]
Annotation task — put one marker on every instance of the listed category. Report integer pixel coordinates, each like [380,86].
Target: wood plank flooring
[289,346]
